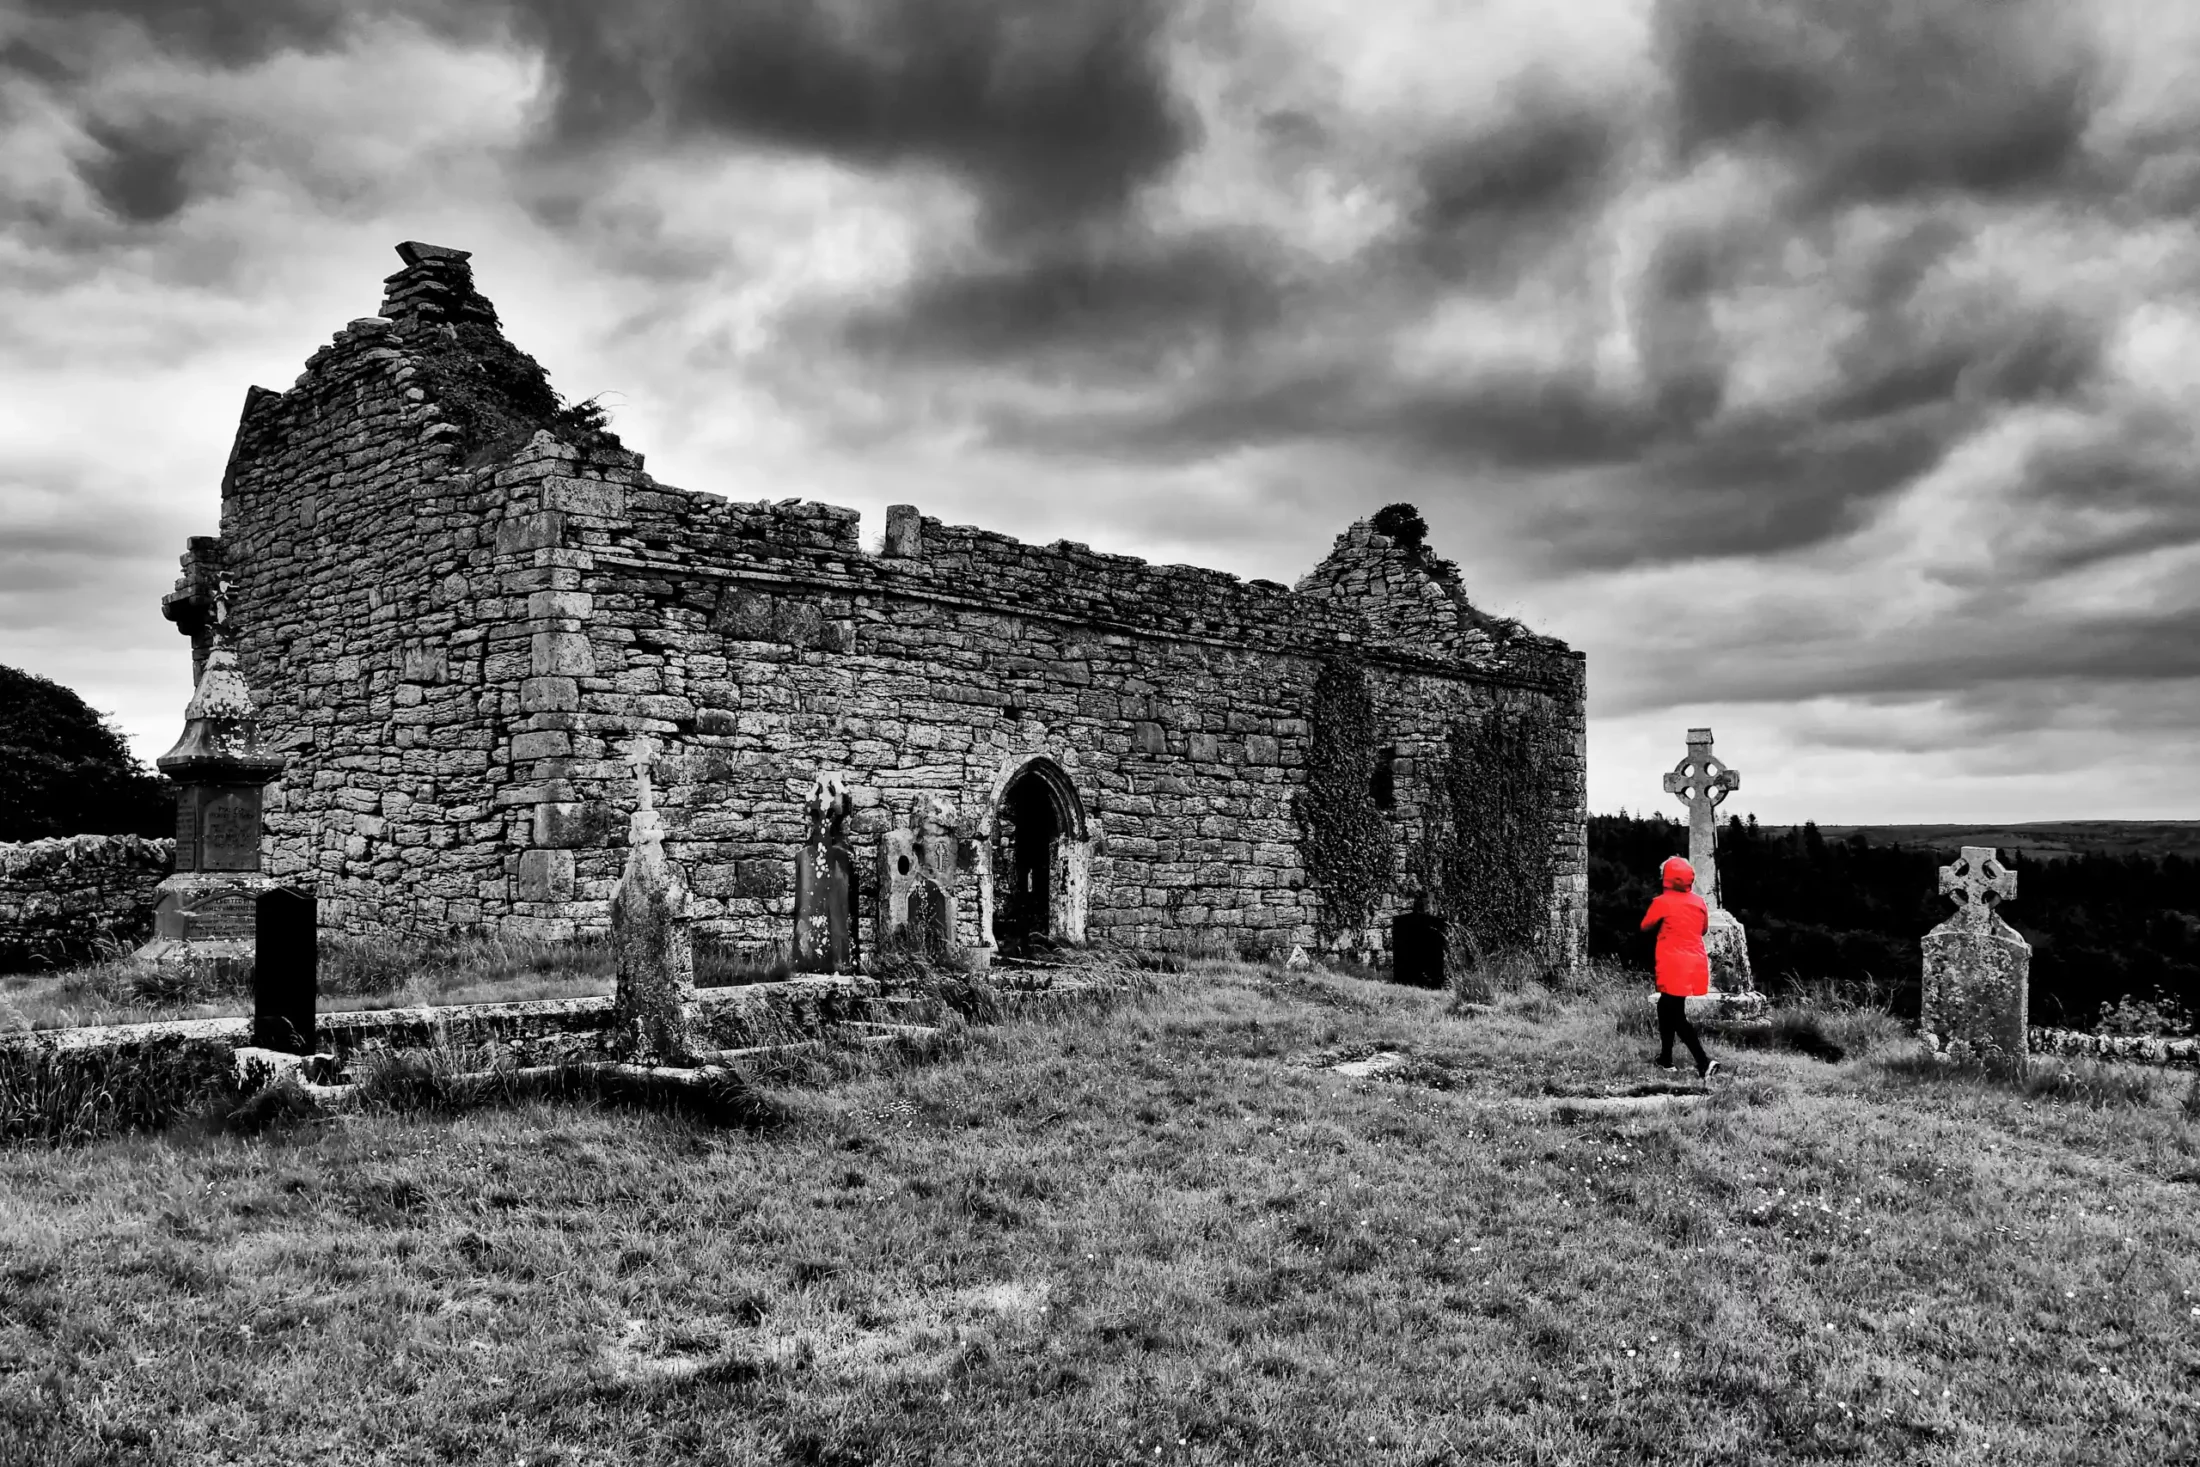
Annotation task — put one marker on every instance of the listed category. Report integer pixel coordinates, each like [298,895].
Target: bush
[63,771]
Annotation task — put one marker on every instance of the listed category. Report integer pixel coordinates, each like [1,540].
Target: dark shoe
[1664,1064]
[1710,1070]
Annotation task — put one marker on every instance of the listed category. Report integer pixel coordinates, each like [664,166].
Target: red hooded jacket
[1682,966]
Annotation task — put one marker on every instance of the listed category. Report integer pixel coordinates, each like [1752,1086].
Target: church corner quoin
[464,604]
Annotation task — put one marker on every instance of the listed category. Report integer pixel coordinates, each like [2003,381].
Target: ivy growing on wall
[1342,837]
[1486,857]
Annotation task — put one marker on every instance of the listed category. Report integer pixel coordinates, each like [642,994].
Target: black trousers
[1672,1020]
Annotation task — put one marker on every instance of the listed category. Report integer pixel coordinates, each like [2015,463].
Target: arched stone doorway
[1038,860]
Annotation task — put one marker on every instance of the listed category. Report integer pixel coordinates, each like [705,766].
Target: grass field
[1157,1233]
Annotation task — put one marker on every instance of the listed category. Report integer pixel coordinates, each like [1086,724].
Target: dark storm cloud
[1682,355]
[1879,99]
[1661,473]
[1052,113]
[1966,656]
[1817,467]
[1487,202]
[1512,419]
[64,36]
[141,171]
[1124,302]
[227,34]
[144,168]
[2125,485]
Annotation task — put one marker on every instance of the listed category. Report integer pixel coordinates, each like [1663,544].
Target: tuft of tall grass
[1523,980]
[2090,1083]
[438,969]
[70,1097]
[722,965]
[2094,1084]
[451,1080]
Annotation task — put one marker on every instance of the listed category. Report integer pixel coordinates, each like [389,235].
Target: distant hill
[2039,840]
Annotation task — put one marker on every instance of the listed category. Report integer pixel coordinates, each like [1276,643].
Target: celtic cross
[1977,882]
[1702,782]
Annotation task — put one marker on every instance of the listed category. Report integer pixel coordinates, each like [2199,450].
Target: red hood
[1679,875]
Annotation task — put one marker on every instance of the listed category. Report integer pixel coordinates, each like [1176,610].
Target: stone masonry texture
[62,900]
[457,632]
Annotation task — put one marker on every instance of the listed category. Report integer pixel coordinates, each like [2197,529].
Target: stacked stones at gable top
[1413,600]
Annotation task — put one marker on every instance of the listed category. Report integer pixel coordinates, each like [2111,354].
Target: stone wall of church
[756,645]
[462,637]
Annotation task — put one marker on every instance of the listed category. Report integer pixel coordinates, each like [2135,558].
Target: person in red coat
[1680,917]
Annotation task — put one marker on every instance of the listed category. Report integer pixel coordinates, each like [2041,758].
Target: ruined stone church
[466,611]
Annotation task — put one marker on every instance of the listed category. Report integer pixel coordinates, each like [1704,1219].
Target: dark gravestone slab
[285,971]
[1417,948]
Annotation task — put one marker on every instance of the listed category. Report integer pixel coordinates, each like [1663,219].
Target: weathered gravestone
[1417,943]
[652,1015]
[205,912]
[1702,783]
[825,884]
[919,869]
[1977,967]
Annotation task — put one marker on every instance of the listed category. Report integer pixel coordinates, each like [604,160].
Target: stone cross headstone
[1703,782]
[825,884]
[653,1014]
[205,912]
[1977,967]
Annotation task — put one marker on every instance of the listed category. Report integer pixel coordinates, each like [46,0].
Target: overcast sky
[1829,373]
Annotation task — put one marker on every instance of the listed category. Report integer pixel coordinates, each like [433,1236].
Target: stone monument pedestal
[1733,994]
[206,912]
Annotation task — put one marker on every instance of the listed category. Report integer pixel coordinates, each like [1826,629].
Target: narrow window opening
[1383,784]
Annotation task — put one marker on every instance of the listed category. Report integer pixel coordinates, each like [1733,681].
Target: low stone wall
[62,900]
[2134,1049]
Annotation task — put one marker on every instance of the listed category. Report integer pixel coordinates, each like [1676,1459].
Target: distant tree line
[63,771]
[2110,935]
